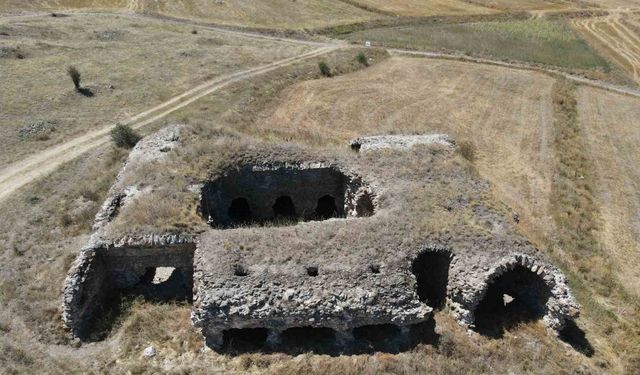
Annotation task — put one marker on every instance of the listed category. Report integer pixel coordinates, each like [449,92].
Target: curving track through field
[17,175]
[39,165]
[617,34]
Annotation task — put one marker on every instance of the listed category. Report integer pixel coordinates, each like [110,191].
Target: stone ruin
[296,245]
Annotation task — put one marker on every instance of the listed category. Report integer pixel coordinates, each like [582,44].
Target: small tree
[125,137]
[324,69]
[75,76]
[362,59]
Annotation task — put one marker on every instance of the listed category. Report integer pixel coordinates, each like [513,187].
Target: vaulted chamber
[283,195]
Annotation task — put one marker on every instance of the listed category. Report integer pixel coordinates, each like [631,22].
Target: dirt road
[37,166]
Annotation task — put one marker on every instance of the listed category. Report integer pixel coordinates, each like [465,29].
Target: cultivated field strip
[21,173]
[616,34]
[609,122]
[523,66]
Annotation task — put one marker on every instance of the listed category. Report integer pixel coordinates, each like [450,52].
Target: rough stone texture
[261,186]
[341,273]
[102,266]
[149,150]
[364,144]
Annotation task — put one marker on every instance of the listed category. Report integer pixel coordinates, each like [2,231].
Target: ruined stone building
[267,241]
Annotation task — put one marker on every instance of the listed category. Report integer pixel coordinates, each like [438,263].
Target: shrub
[125,137]
[324,69]
[362,59]
[75,76]
[467,150]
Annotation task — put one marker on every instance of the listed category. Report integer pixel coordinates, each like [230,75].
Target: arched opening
[164,284]
[304,339]
[376,334]
[312,271]
[162,274]
[326,208]
[364,205]
[240,270]
[245,339]
[517,296]
[284,208]
[239,211]
[431,269]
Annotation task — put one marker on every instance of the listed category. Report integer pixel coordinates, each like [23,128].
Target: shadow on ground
[574,336]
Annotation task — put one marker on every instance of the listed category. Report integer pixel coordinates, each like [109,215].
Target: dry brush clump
[124,136]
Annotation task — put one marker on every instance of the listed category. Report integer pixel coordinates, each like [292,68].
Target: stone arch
[326,208]
[518,295]
[431,270]
[240,211]
[283,208]
[555,303]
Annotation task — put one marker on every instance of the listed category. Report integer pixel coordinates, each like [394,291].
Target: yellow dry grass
[130,64]
[618,37]
[610,124]
[280,14]
[521,148]
[506,114]
[422,8]
[31,5]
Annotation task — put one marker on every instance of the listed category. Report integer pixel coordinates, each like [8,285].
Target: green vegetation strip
[541,41]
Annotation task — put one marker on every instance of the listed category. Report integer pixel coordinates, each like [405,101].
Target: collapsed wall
[302,243]
[101,270]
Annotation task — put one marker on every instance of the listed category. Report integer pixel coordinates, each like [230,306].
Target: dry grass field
[562,157]
[618,37]
[48,5]
[610,124]
[272,14]
[506,115]
[528,143]
[45,224]
[129,64]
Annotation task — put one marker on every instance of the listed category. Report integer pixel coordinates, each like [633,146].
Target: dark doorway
[244,340]
[308,339]
[326,208]
[517,296]
[284,208]
[163,284]
[239,211]
[431,269]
